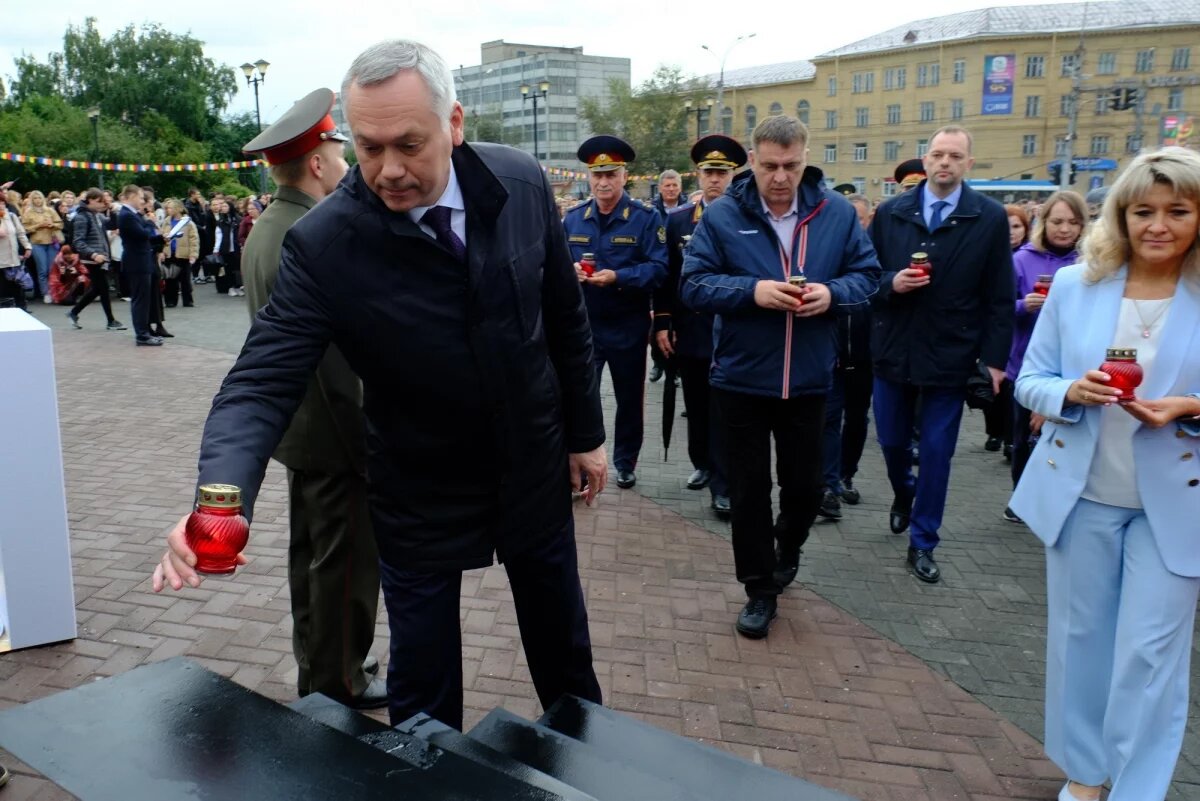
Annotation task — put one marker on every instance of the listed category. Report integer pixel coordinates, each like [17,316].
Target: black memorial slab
[703,771]
[174,730]
[324,709]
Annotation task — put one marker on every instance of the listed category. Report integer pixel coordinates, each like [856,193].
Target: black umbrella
[668,419]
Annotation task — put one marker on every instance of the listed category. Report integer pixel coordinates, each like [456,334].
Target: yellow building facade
[874,103]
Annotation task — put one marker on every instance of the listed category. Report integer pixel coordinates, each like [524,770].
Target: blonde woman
[43,225]
[1113,486]
[181,249]
[14,251]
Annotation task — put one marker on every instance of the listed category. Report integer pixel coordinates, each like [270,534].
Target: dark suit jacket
[327,432]
[693,330]
[140,243]
[477,379]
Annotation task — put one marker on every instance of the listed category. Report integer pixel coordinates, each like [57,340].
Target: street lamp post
[543,89]
[94,115]
[721,74]
[256,73]
[708,105]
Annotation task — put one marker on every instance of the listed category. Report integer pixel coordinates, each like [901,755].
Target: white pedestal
[37,597]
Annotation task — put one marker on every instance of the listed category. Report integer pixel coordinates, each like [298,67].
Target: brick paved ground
[870,682]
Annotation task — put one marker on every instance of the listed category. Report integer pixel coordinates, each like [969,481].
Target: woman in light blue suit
[1113,487]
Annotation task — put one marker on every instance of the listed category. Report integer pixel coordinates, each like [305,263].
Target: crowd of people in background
[66,248]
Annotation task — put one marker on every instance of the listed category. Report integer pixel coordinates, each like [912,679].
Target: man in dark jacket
[774,351]
[931,328]
[333,564]
[90,240]
[441,272]
[140,244]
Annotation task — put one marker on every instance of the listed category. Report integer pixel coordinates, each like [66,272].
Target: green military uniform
[333,562]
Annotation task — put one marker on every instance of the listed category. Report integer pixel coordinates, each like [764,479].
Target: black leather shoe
[162,333]
[1008,452]
[149,341]
[755,617]
[370,665]
[656,373]
[626,479]
[787,563]
[720,505]
[831,507]
[923,566]
[849,494]
[901,514]
[992,444]
[699,480]
[374,697]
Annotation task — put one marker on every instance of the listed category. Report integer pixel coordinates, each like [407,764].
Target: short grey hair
[669,174]
[780,130]
[381,61]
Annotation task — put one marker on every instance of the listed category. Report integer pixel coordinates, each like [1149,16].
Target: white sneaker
[232,292]
[46,300]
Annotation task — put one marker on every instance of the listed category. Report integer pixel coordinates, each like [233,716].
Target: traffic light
[1071,177]
[1131,98]
[1056,173]
[1123,99]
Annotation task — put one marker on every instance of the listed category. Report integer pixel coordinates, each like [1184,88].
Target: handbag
[980,395]
[170,271]
[19,276]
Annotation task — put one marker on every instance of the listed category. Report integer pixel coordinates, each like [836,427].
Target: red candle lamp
[587,262]
[920,262]
[1124,371]
[1042,284]
[217,531]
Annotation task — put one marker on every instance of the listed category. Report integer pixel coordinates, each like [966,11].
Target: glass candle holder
[217,531]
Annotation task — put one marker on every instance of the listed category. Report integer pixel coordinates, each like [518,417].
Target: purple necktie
[438,218]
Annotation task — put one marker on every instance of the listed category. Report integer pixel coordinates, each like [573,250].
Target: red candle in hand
[1042,284]
[1126,374]
[800,282]
[217,531]
[587,263]
[920,262]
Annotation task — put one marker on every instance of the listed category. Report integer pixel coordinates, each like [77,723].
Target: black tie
[438,218]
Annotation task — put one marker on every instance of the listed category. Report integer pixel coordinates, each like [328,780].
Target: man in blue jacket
[140,241]
[774,344]
[628,239]
[932,328]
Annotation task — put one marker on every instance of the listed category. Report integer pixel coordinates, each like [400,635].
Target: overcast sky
[310,43]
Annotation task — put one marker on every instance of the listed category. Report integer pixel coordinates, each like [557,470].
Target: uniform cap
[910,173]
[605,153]
[718,152]
[845,189]
[304,126]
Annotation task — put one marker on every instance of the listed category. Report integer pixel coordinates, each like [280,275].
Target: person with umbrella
[686,336]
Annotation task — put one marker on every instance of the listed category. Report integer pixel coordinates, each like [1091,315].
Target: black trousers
[181,285]
[13,290]
[847,408]
[142,300]
[98,289]
[425,668]
[333,574]
[1023,441]
[998,417]
[797,424]
[704,430]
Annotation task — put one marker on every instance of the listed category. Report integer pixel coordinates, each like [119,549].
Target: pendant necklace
[1147,326]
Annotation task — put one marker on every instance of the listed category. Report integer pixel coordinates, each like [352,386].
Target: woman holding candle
[1113,488]
[1051,247]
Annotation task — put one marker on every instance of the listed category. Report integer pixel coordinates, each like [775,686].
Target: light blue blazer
[1073,331]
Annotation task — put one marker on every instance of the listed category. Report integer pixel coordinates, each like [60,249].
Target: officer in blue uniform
[687,335]
[628,240]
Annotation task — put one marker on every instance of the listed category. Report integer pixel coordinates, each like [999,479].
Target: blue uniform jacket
[140,243]
[633,243]
[764,351]
[693,330]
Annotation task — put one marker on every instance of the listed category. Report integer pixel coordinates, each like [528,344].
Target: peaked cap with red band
[304,126]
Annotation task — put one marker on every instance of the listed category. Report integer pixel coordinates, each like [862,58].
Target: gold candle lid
[797,280]
[220,496]
[920,258]
[588,256]
[1121,353]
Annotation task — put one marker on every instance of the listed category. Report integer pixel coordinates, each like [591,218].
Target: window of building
[893,114]
[922,74]
[1144,61]
[889,188]
[830,120]
[1100,145]
[922,147]
[927,112]
[860,184]
[1181,59]
[1060,146]
[862,117]
[1033,105]
[727,121]
[1070,65]
[830,154]
[704,120]
[1175,100]
[956,109]
[856,83]
[1065,105]
[1103,98]
[1107,64]
[1029,145]
[895,77]
[776,109]
[802,111]
[935,74]
[891,151]
[1133,143]
[960,70]
[832,85]
[860,151]
[1035,66]
[751,119]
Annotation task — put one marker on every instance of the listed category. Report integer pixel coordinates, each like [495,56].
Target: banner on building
[1179,130]
[999,74]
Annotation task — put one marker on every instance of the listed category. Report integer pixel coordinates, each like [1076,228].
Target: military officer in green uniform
[333,562]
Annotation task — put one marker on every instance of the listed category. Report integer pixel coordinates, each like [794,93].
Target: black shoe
[755,617]
[683,413]
[374,697]
[849,494]
[831,507]
[162,333]
[188,305]
[920,561]
[992,444]
[699,480]
[370,665]
[626,479]
[148,341]
[1008,452]
[656,373]
[720,505]
[1011,516]
[787,563]
[170,305]
[114,325]
[901,514]
[74,318]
